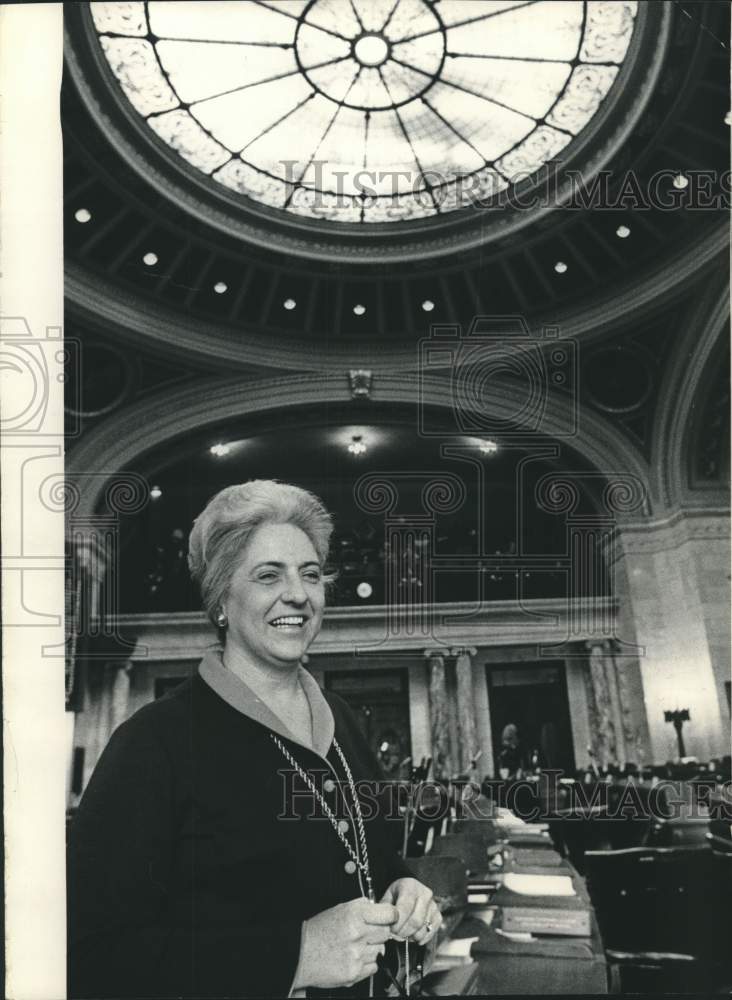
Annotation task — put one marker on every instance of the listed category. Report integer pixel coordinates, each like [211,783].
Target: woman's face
[276,596]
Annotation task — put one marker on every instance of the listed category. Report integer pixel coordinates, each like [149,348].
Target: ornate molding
[241,218]
[185,635]
[122,439]
[94,301]
[680,393]
[669,533]
[360,381]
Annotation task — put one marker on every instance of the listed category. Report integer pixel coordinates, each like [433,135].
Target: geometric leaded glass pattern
[366,111]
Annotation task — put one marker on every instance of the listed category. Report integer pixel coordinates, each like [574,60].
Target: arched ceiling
[157,257]
[172,276]
[402,109]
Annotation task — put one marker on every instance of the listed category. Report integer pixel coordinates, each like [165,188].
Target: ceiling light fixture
[728,118]
[364,590]
[359,310]
[680,182]
[220,449]
[150,259]
[488,447]
[357,446]
[428,305]
[220,287]
[155,492]
[82,215]
[289,304]
[623,232]
[560,267]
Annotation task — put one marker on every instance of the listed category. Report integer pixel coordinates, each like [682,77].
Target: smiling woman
[221,848]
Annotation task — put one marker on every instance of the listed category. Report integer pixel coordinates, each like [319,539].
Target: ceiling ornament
[360,380]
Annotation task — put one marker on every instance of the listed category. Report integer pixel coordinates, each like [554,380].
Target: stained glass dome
[366,111]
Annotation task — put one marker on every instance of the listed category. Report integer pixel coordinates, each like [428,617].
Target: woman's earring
[221,620]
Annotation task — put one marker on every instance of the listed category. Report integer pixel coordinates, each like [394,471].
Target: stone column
[680,628]
[467,734]
[605,697]
[442,762]
[603,741]
[634,744]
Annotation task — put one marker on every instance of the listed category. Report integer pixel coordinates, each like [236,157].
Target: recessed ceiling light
[220,287]
[359,310]
[728,118]
[289,304]
[488,447]
[680,182]
[220,449]
[364,590]
[155,492]
[560,267]
[82,215]
[428,305]
[150,259]
[623,232]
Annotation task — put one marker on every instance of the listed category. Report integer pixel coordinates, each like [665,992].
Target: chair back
[482,830]
[432,803]
[661,899]
[470,851]
[679,832]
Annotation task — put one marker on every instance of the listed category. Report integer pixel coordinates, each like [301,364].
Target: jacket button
[343,826]
[350,867]
[329,785]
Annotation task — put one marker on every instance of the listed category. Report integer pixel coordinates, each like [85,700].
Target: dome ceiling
[159,253]
[366,111]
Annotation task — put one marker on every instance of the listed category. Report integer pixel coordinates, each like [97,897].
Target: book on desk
[537,904]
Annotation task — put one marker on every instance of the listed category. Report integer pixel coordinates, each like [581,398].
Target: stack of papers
[485,916]
[515,935]
[453,952]
[506,818]
[539,885]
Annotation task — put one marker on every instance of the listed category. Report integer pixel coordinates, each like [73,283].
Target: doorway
[380,702]
[532,696]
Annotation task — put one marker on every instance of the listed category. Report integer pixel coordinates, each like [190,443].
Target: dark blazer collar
[236,693]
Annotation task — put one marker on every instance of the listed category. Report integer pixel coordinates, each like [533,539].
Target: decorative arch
[117,442]
[682,391]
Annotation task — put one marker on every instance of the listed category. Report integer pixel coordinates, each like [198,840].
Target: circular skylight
[364,111]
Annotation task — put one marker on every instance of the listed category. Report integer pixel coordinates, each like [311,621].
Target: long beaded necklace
[359,864]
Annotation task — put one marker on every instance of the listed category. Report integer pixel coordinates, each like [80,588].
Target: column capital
[460,650]
[603,645]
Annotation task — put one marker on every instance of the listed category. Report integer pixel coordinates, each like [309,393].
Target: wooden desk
[544,964]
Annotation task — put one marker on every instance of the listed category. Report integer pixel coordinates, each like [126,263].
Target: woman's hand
[340,945]
[419,915]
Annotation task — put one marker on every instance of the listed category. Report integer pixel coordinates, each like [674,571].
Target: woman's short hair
[224,526]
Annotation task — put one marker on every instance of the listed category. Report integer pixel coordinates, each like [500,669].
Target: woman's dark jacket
[196,855]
